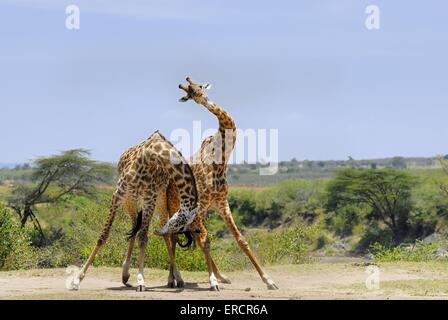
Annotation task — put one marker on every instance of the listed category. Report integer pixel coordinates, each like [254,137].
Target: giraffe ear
[184,99]
[206,86]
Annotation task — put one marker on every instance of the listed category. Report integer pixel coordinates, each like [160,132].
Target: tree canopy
[70,172]
[385,192]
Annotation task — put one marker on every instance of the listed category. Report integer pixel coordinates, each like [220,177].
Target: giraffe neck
[227,129]
[225,120]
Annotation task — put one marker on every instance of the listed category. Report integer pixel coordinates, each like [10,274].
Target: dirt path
[311,281]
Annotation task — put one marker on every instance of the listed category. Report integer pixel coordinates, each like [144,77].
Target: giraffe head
[195,91]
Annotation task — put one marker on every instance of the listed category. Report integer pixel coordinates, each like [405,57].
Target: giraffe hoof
[141,288]
[74,283]
[180,284]
[272,286]
[214,288]
[170,284]
[125,279]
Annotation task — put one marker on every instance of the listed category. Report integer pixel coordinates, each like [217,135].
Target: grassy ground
[341,280]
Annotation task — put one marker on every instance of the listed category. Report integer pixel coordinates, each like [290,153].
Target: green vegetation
[72,229]
[285,203]
[384,195]
[361,209]
[54,178]
[15,249]
[419,252]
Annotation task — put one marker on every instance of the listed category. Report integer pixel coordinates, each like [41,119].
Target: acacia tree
[70,172]
[385,192]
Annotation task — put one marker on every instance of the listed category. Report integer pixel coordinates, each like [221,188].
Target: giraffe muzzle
[193,90]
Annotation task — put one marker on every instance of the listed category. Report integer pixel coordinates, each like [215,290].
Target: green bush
[72,228]
[287,201]
[80,237]
[291,245]
[420,252]
[345,219]
[374,234]
[15,249]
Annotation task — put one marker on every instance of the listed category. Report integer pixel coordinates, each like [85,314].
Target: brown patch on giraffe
[166,153]
[157,147]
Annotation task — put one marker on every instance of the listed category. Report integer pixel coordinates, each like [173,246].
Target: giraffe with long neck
[145,173]
[167,205]
[209,166]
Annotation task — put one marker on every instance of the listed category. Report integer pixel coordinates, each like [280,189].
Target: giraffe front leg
[140,277]
[226,214]
[130,207]
[221,277]
[141,260]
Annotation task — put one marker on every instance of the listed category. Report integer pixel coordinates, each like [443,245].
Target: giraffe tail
[131,234]
[189,238]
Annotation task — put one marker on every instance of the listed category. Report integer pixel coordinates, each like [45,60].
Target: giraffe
[209,167]
[145,172]
[168,203]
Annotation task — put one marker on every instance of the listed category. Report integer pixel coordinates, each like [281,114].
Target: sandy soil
[311,281]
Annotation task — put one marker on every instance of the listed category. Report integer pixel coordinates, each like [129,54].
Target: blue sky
[308,68]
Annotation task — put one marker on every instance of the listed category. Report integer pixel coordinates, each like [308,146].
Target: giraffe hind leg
[174,276]
[180,282]
[148,210]
[204,243]
[136,222]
